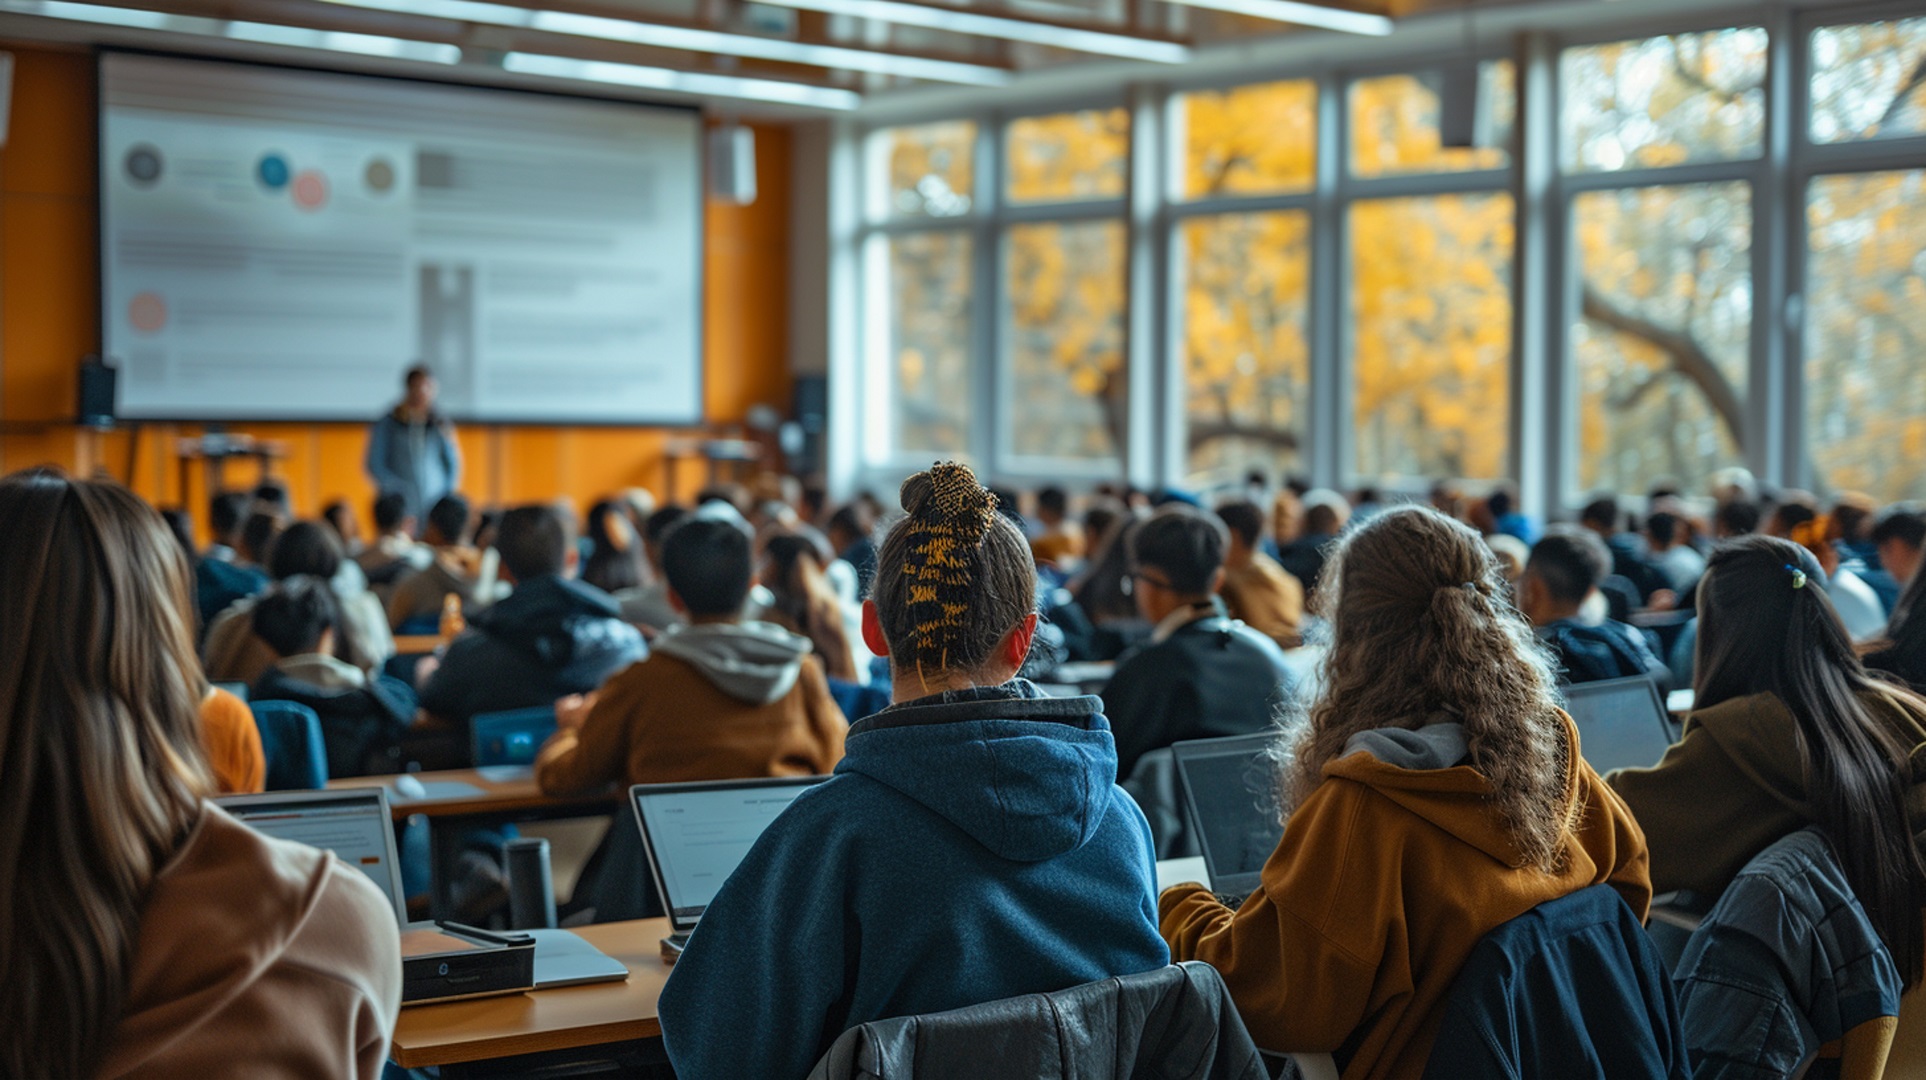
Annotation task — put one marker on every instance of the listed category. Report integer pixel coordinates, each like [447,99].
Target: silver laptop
[696,834]
[1230,791]
[351,822]
[1622,723]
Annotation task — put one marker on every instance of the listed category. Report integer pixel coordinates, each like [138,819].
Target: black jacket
[1609,650]
[1304,558]
[1213,677]
[357,723]
[1573,988]
[1785,962]
[1174,1021]
[550,638]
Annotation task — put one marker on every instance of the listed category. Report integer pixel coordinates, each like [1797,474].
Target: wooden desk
[493,797]
[416,644]
[546,1021]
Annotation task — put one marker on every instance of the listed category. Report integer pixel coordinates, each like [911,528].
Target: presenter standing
[412,449]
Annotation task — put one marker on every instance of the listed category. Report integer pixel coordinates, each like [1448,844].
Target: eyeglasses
[1130,582]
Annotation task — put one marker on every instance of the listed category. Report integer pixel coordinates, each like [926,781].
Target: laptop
[1622,723]
[696,834]
[1230,792]
[510,738]
[354,823]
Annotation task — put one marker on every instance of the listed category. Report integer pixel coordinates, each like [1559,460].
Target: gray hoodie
[756,662]
[1439,744]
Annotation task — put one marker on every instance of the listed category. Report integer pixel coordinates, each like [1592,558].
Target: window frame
[1542,423]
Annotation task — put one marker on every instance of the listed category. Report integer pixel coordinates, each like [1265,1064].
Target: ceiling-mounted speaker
[732,164]
[1462,117]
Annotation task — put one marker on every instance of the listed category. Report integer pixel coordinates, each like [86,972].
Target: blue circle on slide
[273,171]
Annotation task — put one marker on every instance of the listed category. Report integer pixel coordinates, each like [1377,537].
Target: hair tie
[1798,576]
[1471,586]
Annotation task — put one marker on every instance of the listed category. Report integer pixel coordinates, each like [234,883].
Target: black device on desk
[452,962]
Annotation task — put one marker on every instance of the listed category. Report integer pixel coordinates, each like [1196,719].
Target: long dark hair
[1903,651]
[806,602]
[101,767]
[615,556]
[1767,626]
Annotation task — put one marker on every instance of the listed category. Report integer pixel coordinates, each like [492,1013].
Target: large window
[1866,333]
[1322,273]
[1660,341]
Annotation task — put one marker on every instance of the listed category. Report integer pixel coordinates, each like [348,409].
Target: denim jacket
[1784,963]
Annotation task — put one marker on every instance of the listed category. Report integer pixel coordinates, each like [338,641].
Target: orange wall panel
[49,320]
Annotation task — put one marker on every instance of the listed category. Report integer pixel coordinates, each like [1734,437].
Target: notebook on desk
[696,834]
[1230,791]
[351,822]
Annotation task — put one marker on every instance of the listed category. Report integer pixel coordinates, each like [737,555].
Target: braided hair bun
[953,576]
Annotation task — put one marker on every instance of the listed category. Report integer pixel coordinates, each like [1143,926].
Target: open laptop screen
[1621,723]
[351,822]
[1231,785]
[697,834]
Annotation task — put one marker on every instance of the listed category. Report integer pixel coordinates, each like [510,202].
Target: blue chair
[859,701]
[510,738]
[297,759]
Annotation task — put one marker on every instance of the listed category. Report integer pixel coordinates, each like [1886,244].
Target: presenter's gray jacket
[419,460]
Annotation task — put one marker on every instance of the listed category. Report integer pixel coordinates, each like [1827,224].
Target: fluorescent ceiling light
[956,21]
[342,41]
[695,40]
[688,82]
[262,33]
[1293,11]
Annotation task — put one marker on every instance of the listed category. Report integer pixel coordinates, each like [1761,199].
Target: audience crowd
[974,843]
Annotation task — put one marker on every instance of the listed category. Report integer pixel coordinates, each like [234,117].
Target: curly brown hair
[1422,622]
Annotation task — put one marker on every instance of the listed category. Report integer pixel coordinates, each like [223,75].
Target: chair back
[1573,988]
[1784,964]
[1177,1020]
[512,737]
[297,759]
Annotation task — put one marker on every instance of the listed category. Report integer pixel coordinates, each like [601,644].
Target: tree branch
[1905,91]
[1203,433]
[1688,357]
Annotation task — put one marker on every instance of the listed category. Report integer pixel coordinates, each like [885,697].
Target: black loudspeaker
[97,384]
[1462,121]
[812,416]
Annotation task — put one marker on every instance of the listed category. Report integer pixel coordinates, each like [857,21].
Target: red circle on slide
[147,312]
[310,190]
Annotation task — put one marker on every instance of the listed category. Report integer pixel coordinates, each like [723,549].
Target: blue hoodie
[970,847]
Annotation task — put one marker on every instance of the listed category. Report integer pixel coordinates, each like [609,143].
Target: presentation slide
[283,244]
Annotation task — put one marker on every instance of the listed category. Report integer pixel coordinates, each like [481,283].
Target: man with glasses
[1202,674]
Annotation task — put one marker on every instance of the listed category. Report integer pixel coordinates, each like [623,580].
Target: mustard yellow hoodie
[1386,878]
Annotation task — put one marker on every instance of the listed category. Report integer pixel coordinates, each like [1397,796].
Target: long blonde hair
[101,768]
[1422,623]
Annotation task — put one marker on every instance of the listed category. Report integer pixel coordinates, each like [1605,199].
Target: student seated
[452,567]
[795,571]
[233,743]
[1324,517]
[1256,589]
[1630,556]
[1789,731]
[1675,558]
[973,844]
[647,606]
[614,558]
[1202,674]
[1901,649]
[550,638]
[361,717]
[222,576]
[1436,793]
[146,932]
[1564,571]
[1059,540]
[717,700]
[394,554]
[235,654]
[1898,538]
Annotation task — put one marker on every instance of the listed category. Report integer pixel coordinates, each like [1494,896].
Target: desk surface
[500,790]
[565,1018]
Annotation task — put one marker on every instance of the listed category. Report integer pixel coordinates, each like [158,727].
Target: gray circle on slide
[143,165]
